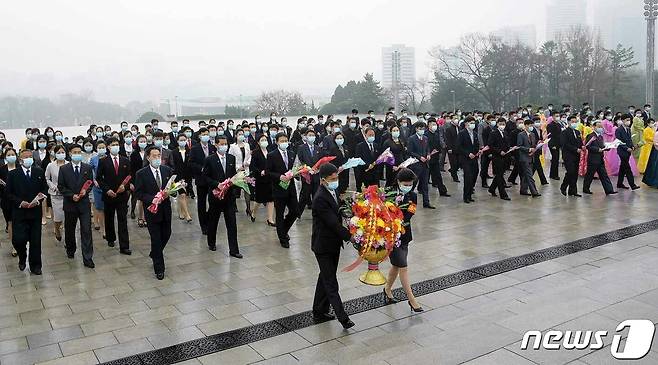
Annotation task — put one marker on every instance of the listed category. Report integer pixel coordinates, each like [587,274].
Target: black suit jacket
[68,185]
[197,160]
[276,168]
[214,175]
[451,137]
[137,162]
[306,157]
[328,231]
[497,143]
[108,179]
[624,134]
[146,188]
[594,149]
[20,189]
[571,144]
[464,145]
[555,130]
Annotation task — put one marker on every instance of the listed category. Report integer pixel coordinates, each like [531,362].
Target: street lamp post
[454,102]
[518,98]
[650,13]
[176,106]
[593,92]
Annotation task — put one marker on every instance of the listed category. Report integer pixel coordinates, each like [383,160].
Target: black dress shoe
[555,178]
[536,195]
[611,193]
[429,206]
[508,186]
[159,276]
[635,187]
[493,194]
[236,255]
[545,183]
[525,194]
[126,252]
[21,266]
[587,192]
[563,191]
[445,194]
[323,316]
[622,187]
[347,324]
[212,248]
[472,200]
[285,244]
[36,271]
[467,201]
[70,255]
[506,198]
[576,195]
[110,244]
[90,264]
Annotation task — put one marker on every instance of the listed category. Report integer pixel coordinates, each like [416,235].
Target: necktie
[285,159]
[157,178]
[310,147]
[333,195]
[28,173]
[205,150]
[77,172]
[223,164]
[116,165]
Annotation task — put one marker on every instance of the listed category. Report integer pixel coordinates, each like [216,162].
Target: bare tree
[414,97]
[281,102]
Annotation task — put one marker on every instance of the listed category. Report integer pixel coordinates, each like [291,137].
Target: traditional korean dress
[645,152]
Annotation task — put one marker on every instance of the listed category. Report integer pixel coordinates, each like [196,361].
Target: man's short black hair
[149,149]
[405,174]
[327,169]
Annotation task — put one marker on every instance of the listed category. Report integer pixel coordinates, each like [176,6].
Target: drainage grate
[242,336]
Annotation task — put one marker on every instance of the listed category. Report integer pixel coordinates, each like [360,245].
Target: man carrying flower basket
[326,241]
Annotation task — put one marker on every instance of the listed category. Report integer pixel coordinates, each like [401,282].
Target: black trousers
[26,230]
[326,289]
[437,179]
[214,212]
[571,176]
[306,195]
[201,206]
[603,177]
[121,212]
[625,171]
[527,179]
[86,244]
[454,165]
[485,160]
[555,163]
[160,233]
[358,178]
[285,221]
[470,167]
[514,161]
[499,167]
[422,173]
[536,167]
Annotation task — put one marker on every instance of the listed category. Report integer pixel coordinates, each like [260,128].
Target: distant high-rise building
[524,34]
[621,22]
[564,15]
[398,63]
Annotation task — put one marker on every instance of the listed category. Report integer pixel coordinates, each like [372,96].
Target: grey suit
[69,183]
[526,141]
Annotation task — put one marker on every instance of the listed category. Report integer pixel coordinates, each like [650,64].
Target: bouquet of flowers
[322,161]
[85,186]
[375,221]
[386,157]
[352,162]
[301,170]
[170,189]
[240,180]
[408,162]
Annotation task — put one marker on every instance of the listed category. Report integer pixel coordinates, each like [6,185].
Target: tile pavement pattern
[74,315]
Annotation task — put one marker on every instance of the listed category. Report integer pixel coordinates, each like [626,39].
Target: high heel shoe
[253,219]
[389,300]
[417,310]
[271,224]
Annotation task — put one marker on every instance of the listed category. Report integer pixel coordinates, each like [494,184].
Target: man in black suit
[418,147]
[148,183]
[498,148]
[595,162]
[219,167]
[554,130]
[526,142]
[308,154]
[26,189]
[467,147]
[279,162]
[368,150]
[112,171]
[326,241]
[198,155]
[484,130]
[70,181]
[572,144]
[624,151]
[451,146]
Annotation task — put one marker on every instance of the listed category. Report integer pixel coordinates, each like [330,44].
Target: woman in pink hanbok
[611,158]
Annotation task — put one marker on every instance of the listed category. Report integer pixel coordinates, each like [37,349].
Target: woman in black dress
[263,189]
[394,142]
[183,171]
[9,157]
[339,149]
[405,181]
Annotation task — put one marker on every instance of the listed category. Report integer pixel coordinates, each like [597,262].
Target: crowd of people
[100,179]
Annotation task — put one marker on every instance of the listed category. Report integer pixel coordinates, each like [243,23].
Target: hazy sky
[146,50]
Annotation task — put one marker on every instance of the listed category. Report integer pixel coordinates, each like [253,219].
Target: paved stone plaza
[73,315]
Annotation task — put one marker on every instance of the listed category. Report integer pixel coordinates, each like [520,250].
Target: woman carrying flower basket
[398,257]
